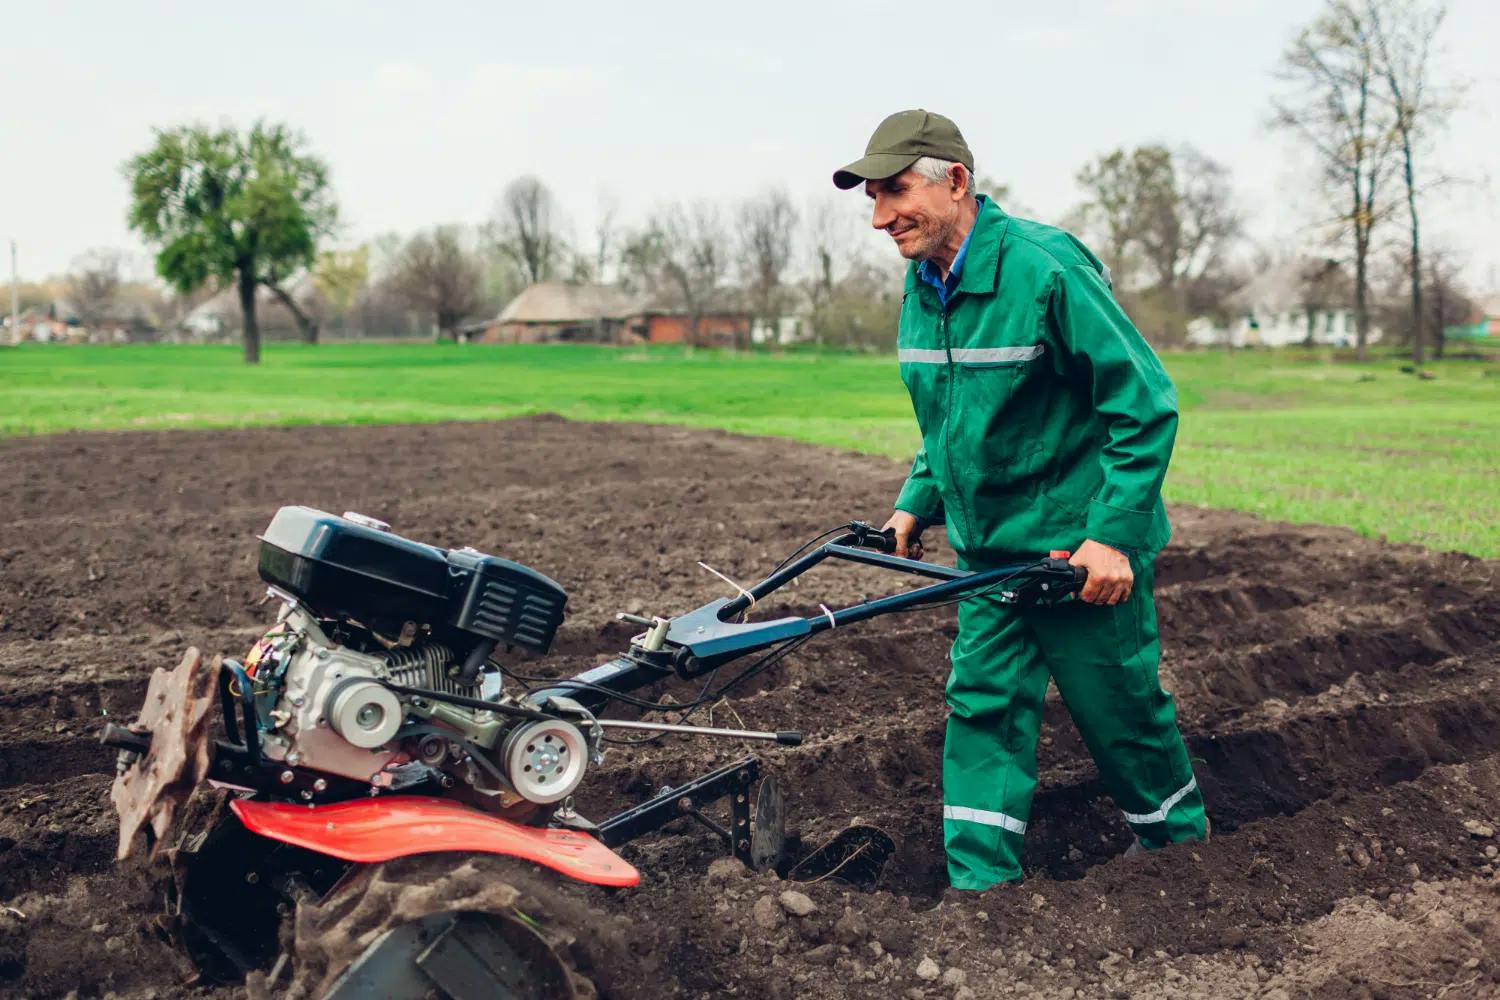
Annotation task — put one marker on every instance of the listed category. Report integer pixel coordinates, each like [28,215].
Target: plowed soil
[1341,698]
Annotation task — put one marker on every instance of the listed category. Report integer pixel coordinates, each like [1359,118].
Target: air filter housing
[350,569]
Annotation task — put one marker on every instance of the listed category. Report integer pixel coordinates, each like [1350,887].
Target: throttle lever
[868,536]
[1057,560]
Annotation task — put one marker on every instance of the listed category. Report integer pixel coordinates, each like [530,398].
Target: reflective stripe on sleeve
[986,817]
[1160,816]
[963,355]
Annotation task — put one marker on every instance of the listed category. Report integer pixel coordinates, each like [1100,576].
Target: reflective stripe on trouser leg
[1104,660]
[994,696]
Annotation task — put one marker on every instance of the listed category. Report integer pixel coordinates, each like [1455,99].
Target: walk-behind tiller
[371,725]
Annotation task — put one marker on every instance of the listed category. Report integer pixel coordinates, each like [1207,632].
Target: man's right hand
[908,534]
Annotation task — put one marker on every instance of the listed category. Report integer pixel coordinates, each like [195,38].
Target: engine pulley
[545,760]
[364,712]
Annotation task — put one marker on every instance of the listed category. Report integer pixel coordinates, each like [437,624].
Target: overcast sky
[425,110]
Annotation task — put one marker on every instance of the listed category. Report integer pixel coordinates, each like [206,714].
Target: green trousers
[1104,661]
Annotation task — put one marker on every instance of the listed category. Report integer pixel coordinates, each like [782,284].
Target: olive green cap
[900,141]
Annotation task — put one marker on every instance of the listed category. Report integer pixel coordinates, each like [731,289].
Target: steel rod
[668,727]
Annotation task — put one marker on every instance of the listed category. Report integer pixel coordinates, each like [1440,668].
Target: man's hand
[1110,577]
[908,534]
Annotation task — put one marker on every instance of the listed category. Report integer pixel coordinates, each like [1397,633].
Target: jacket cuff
[921,499]
[1118,527]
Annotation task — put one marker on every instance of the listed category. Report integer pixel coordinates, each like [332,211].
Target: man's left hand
[1110,577]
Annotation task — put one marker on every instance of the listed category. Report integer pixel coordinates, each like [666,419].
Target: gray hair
[936,170]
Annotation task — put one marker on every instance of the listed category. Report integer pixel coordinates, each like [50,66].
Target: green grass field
[1286,435]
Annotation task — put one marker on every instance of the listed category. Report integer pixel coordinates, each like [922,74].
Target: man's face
[919,214]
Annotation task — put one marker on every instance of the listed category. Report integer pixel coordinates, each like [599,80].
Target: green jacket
[1046,418]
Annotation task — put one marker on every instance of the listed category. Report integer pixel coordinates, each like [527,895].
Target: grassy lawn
[1287,435]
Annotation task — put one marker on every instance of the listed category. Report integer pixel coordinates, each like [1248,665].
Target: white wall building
[1294,301]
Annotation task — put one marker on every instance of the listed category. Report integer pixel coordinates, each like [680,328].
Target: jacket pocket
[993,426]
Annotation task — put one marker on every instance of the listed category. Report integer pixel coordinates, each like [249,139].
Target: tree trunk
[247,312]
[1418,339]
[1361,278]
[306,325]
[1440,316]
[1361,306]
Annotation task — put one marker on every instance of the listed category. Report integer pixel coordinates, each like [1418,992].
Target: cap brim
[875,167]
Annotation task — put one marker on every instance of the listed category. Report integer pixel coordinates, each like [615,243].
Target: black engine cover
[340,569]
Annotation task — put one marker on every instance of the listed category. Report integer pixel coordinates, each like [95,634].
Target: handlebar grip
[1080,576]
[789,738]
[865,536]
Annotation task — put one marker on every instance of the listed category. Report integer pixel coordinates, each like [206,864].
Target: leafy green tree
[226,207]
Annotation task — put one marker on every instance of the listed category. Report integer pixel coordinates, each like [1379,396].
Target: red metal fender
[394,826]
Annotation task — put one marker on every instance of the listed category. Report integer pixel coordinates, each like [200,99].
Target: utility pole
[15,298]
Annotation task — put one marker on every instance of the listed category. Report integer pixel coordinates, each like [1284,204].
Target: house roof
[562,302]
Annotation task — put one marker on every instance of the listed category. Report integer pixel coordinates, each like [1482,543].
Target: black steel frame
[710,637]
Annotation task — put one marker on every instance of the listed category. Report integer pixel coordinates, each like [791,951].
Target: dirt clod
[852,927]
[768,914]
[798,904]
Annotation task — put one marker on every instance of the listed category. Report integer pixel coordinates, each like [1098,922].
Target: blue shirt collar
[928,273]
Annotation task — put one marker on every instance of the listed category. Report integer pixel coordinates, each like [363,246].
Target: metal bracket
[733,780]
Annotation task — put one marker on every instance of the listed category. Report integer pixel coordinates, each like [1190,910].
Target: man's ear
[958,178]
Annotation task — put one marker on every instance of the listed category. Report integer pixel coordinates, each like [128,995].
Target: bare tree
[1111,206]
[1332,72]
[767,222]
[527,228]
[1185,213]
[1404,34]
[437,273]
[1448,302]
[827,235]
[685,251]
[1167,216]
[94,284]
[606,234]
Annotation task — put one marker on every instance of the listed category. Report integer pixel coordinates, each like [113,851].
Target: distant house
[1482,328]
[781,330]
[1299,300]
[209,320]
[220,316]
[556,311]
[40,327]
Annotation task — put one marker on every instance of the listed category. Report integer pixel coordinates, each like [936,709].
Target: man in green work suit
[1047,423]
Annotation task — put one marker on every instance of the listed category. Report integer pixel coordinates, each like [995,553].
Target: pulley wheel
[545,760]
